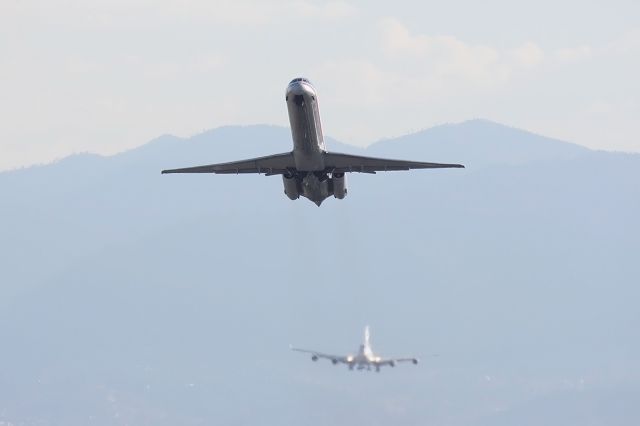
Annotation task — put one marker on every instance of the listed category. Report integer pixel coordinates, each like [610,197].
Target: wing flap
[341,163]
[270,165]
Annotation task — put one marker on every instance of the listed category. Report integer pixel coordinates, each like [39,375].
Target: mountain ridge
[445,140]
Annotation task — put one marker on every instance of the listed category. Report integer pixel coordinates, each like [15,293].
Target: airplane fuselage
[365,358]
[306,130]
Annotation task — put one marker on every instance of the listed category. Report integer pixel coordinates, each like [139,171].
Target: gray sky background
[105,76]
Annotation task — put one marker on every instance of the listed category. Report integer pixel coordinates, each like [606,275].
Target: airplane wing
[393,361]
[269,165]
[341,163]
[334,358]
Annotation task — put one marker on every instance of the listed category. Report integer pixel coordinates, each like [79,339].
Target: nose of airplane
[300,87]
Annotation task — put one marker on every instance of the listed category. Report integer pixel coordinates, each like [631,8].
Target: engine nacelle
[392,363]
[291,187]
[334,361]
[314,358]
[339,185]
[415,361]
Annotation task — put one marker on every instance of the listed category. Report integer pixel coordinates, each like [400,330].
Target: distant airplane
[309,170]
[364,359]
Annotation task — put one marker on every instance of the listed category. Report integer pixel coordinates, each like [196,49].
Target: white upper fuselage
[306,130]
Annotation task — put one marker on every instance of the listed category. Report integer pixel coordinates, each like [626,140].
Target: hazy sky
[105,76]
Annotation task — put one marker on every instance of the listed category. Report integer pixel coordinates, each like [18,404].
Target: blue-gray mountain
[128,297]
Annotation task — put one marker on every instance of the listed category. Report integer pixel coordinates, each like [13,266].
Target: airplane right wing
[393,361]
[269,165]
[315,355]
[341,163]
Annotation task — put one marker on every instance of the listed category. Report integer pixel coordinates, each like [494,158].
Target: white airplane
[364,359]
[310,170]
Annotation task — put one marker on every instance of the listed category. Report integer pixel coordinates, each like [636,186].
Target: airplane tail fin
[367,336]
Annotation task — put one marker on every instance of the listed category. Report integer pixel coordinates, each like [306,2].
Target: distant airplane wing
[270,165]
[341,163]
[334,358]
[393,361]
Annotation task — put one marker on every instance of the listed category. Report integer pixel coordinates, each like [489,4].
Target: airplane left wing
[334,358]
[341,163]
[269,165]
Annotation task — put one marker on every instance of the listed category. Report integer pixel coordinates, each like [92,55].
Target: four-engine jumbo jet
[364,359]
[309,170]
